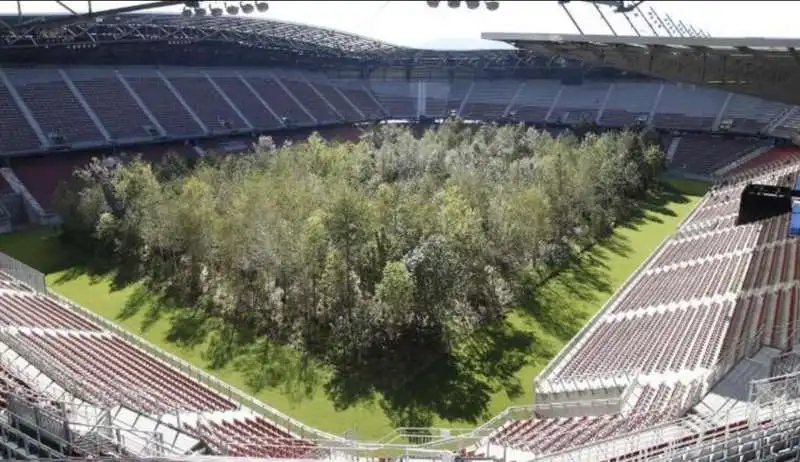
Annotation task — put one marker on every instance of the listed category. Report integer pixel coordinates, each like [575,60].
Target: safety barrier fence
[24,273]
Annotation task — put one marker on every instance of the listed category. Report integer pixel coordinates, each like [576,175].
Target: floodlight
[232,10]
[187,13]
[216,12]
[492,6]
[473,5]
[262,7]
[453,3]
[247,8]
[433,3]
[200,12]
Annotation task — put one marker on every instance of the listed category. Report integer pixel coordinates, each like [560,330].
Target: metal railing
[676,429]
[112,392]
[588,382]
[23,273]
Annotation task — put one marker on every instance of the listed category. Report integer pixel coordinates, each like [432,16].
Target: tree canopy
[390,261]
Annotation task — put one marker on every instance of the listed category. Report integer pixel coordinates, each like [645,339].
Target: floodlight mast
[620,6]
[94,11]
[490,5]
[653,20]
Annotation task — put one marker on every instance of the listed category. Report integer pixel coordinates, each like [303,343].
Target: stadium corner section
[59,364]
[685,350]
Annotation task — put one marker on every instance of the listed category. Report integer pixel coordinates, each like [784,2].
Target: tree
[391,261]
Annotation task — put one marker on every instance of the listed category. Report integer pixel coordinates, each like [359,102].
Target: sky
[413,23]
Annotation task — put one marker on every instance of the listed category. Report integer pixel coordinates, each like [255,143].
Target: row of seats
[21,308]
[703,154]
[766,161]
[672,340]
[709,263]
[111,371]
[704,439]
[656,403]
[769,319]
[136,104]
[252,437]
[108,365]
[773,265]
[707,245]
[12,384]
[698,279]
[709,257]
[88,105]
[717,205]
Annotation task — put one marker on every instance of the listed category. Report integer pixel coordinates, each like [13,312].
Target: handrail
[587,382]
[593,450]
[501,418]
[34,279]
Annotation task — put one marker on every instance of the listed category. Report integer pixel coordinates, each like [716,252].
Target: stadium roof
[766,68]
[20,32]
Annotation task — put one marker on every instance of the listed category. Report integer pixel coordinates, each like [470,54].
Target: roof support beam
[763,68]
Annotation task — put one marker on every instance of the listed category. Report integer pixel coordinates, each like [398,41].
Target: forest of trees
[380,262]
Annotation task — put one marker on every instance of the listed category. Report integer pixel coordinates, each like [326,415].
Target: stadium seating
[490,99]
[21,308]
[344,108]
[655,403]
[54,106]
[251,105]
[683,107]
[253,437]
[362,99]
[628,102]
[318,106]
[580,103]
[749,114]
[282,103]
[703,155]
[650,342]
[396,96]
[48,345]
[154,92]
[120,114]
[111,363]
[208,104]
[535,100]
[711,295]
[15,132]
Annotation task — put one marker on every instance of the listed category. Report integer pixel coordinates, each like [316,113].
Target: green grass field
[586,285]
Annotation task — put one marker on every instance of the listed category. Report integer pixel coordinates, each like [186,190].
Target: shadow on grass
[657,204]
[414,378]
[119,276]
[41,249]
[551,301]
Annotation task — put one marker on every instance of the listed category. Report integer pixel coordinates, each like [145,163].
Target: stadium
[690,355]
